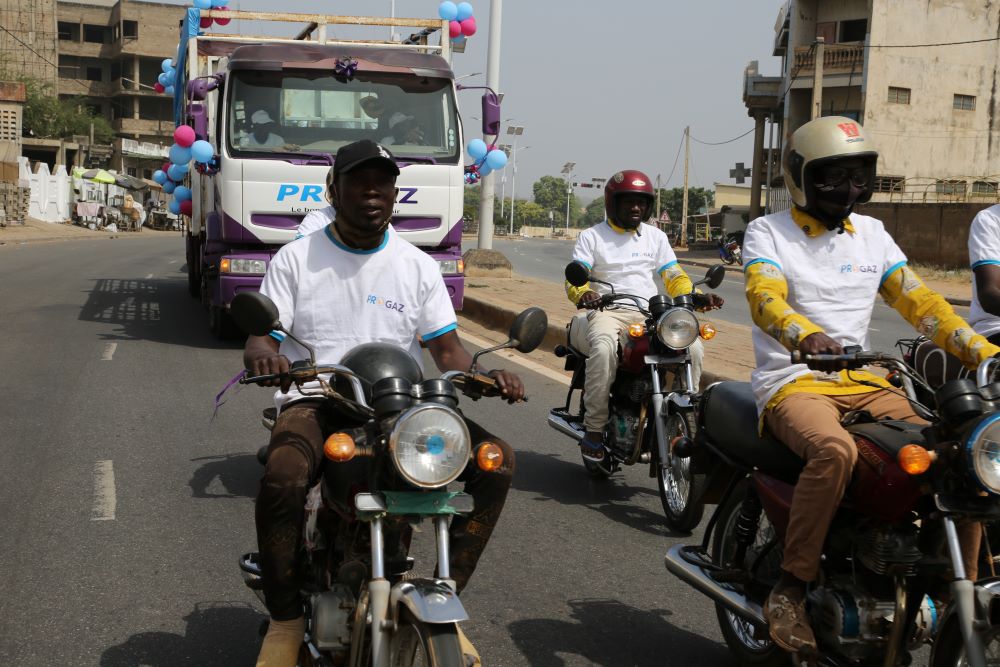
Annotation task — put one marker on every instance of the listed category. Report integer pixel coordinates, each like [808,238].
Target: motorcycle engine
[623,428]
[882,548]
[331,618]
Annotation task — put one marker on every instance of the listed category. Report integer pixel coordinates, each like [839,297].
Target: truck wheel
[221,324]
[194,281]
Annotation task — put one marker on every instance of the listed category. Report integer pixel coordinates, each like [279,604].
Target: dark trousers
[295,457]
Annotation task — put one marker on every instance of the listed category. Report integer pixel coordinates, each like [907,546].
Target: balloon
[454,29]
[206,22]
[222,21]
[477,149]
[485,169]
[159,177]
[202,151]
[163,80]
[180,154]
[169,90]
[174,206]
[182,193]
[468,26]
[177,172]
[167,65]
[159,87]
[169,186]
[186,207]
[184,136]
[464,11]
[219,3]
[496,160]
[448,10]
[202,4]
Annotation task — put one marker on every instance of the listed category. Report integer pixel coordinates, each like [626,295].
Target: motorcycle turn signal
[489,457]
[339,447]
[636,330]
[914,459]
[707,331]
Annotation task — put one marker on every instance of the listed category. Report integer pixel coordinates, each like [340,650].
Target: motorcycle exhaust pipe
[696,577]
[566,428]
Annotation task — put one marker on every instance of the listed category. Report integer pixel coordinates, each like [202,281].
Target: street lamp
[513,175]
[568,170]
[503,178]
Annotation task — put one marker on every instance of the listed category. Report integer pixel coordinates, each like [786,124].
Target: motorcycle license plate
[423,503]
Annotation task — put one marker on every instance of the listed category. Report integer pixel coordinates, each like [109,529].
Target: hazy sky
[608,85]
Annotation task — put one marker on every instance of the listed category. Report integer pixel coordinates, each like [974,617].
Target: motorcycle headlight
[430,445]
[677,328]
[983,454]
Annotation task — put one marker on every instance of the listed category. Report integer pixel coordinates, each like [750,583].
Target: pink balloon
[221,21]
[206,22]
[186,207]
[166,165]
[184,136]
[454,29]
[468,26]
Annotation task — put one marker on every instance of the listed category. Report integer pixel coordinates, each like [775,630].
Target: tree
[48,117]
[550,194]
[672,201]
[593,214]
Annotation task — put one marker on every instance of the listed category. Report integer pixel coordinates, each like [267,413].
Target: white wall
[50,193]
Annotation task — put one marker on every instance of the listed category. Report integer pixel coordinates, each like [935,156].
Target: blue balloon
[174,206]
[219,3]
[179,154]
[448,10]
[202,151]
[464,11]
[169,186]
[202,4]
[176,172]
[167,65]
[164,81]
[496,159]
[182,193]
[485,169]
[169,90]
[159,176]
[477,149]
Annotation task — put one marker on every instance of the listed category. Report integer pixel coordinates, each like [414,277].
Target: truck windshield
[309,111]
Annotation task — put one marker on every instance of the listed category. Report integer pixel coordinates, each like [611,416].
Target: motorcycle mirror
[714,276]
[254,313]
[528,329]
[577,274]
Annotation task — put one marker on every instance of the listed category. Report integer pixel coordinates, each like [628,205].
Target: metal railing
[836,58]
[943,190]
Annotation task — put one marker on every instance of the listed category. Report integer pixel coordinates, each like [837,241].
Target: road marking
[149,276]
[105,501]
[173,261]
[519,359]
[109,351]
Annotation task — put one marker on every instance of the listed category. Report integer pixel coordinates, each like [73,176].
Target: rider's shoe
[469,652]
[592,447]
[282,643]
[789,624]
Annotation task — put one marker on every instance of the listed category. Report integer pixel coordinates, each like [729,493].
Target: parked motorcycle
[651,401]
[731,248]
[892,546]
[390,471]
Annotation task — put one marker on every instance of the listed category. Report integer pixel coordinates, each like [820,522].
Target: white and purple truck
[316,95]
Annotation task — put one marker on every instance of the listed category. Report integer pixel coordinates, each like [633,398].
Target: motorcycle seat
[729,420]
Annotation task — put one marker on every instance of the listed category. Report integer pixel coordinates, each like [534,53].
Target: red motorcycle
[892,545]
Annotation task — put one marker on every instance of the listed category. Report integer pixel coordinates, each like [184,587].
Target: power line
[924,46]
[680,145]
[727,141]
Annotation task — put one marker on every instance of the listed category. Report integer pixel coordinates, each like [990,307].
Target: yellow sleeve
[934,317]
[766,290]
[574,293]
[675,280]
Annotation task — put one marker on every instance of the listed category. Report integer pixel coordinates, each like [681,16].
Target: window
[69,67]
[130,29]
[93,74]
[95,34]
[68,31]
[853,31]
[984,188]
[116,70]
[964,102]
[131,171]
[892,184]
[949,187]
[899,95]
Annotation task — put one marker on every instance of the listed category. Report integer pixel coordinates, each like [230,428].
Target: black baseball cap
[362,152]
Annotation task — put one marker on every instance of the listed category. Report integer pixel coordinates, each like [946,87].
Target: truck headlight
[983,454]
[430,445]
[451,266]
[245,267]
[677,328]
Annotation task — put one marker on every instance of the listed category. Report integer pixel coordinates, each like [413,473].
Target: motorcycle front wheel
[681,491]
[950,648]
[419,644]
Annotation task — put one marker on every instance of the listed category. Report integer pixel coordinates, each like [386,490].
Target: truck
[318,94]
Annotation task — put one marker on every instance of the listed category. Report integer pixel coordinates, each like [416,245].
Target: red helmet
[629,181]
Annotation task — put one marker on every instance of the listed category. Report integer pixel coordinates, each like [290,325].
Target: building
[28,40]
[930,104]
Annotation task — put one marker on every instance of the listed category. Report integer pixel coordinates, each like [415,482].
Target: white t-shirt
[315,221]
[631,262]
[984,248]
[833,280]
[336,298]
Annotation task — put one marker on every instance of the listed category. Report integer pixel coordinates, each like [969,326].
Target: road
[125,503]
[545,259]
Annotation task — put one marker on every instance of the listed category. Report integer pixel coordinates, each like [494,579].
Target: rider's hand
[820,343]
[511,388]
[589,299]
[707,302]
[270,364]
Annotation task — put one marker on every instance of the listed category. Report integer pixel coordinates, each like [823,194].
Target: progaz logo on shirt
[858,268]
[385,303]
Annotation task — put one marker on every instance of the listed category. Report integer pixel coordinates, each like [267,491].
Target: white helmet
[819,142]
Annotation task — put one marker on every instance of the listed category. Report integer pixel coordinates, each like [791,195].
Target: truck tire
[221,324]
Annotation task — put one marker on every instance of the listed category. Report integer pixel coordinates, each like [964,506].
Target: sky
[607,85]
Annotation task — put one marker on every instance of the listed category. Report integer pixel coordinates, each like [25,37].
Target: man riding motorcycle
[354,282]
[812,274]
[628,255]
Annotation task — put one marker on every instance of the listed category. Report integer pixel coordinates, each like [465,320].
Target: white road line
[105,501]
[173,261]
[109,352]
[149,276]
[519,359]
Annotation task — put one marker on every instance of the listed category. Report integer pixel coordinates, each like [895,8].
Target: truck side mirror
[491,113]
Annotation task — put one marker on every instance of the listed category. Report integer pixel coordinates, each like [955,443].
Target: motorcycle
[731,248]
[651,401]
[892,545]
[390,471]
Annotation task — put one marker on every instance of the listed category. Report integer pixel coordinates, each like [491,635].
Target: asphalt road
[125,504]
[545,259]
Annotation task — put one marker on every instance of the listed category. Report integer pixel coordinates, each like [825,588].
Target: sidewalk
[36,231]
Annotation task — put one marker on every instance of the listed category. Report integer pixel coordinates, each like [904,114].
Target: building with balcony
[929,101]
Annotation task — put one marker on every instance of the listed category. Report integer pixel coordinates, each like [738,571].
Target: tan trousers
[809,424]
[598,335]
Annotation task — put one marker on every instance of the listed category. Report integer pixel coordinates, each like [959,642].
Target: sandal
[591,450]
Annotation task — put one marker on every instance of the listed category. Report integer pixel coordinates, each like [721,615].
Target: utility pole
[682,243]
[568,170]
[817,100]
[493,82]
[513,181]
[657,198]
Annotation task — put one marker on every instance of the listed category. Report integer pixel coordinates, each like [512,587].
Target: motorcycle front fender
[430,601]
[987,606]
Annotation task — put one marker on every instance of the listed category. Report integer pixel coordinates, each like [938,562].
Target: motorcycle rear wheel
[419,644]
[680,490]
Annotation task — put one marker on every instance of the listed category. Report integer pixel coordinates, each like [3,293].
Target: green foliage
[593,214]
[49,117]
[672,201]
[550,194]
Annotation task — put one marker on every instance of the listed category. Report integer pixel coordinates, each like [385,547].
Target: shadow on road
[568,483]
[156,309]
[219,634]
[613,634]
[226,476]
